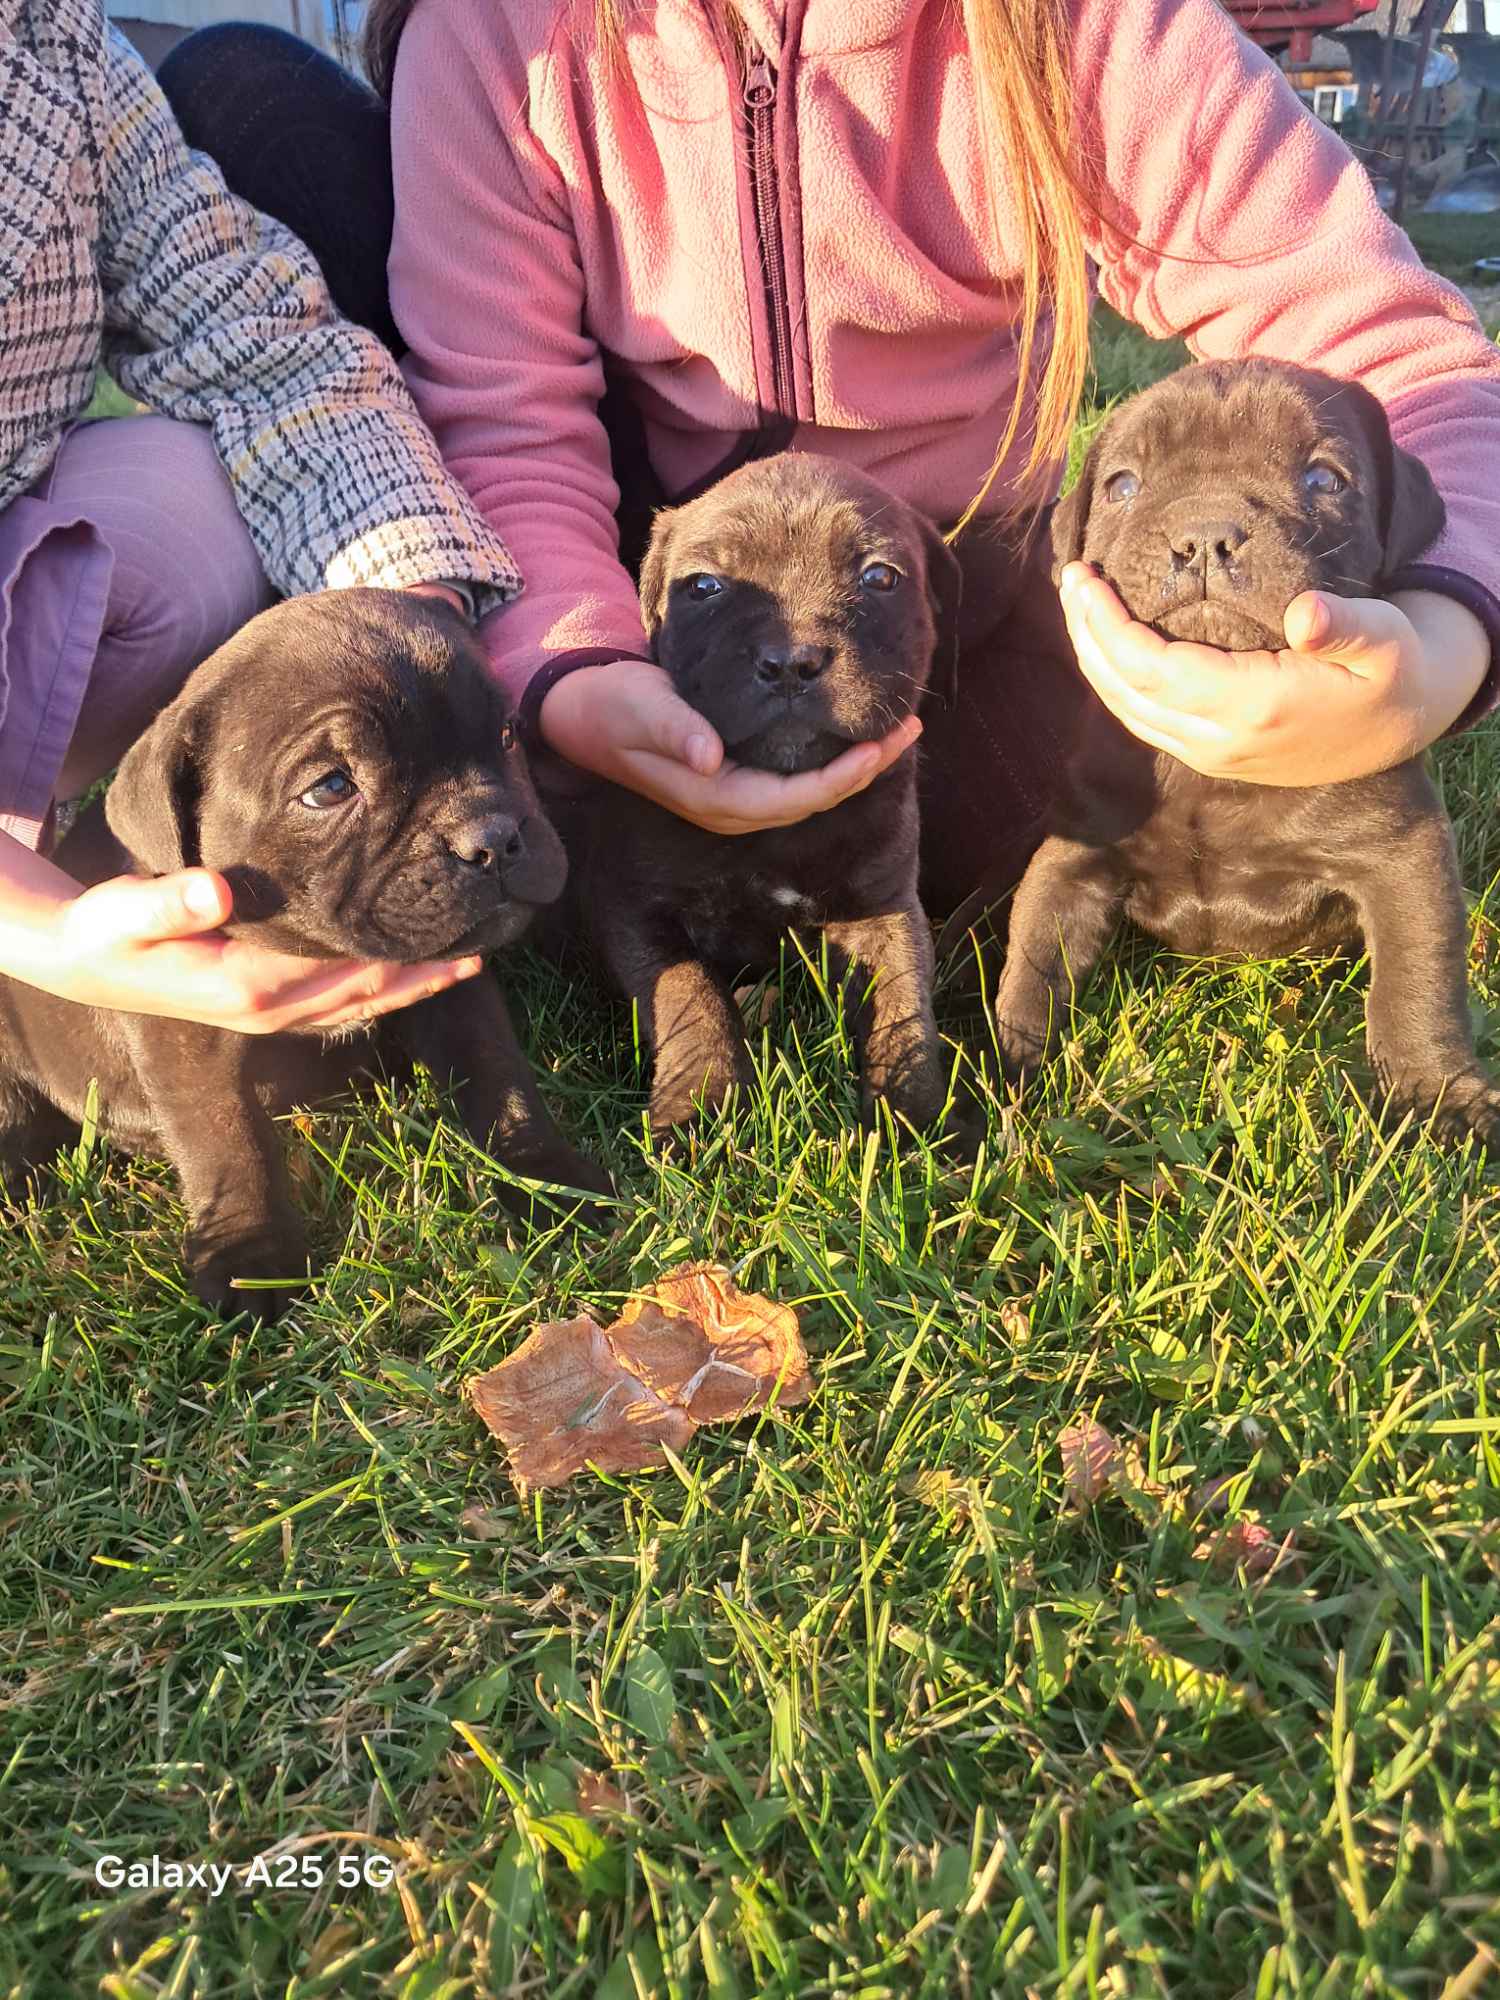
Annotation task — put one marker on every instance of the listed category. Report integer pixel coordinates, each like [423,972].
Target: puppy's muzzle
[791,670]
[501,853]
[488,843]
[1204,556]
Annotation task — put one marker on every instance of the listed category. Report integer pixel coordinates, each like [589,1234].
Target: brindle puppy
[1210,502]
[348,764]
[797,607]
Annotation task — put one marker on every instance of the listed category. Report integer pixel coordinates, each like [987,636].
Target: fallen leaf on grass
[563,1400]
[1244,1545]
[483,1525]
[1015,1322]
[1090,1459]
[934,1487]
[692,1349]
[698,1340]
[598,1793]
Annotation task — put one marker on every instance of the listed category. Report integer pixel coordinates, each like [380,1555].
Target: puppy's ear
[152,804]
[1070,517]
[1413,512]
[1409,508]
[654,570]
[945,589]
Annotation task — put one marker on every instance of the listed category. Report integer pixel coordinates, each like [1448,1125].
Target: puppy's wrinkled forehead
[792,520]
[1243,418]
[368,678]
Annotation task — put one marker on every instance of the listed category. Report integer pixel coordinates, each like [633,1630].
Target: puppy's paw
[1023,1049]
[965,1130]
[679,1098]
[216,1264]
[562,1166]
[1458,1106]
[1469,1104]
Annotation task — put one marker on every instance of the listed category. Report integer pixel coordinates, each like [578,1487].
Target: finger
[1184,677]
[850,772]
[1090,602]
[1142,709]
[131,910]
[738,799]
[348,990]
[390,999]
[673,729]
[760,798]
[1352,632]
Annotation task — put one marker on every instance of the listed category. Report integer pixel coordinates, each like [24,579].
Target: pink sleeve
[487,290]
[1256,232]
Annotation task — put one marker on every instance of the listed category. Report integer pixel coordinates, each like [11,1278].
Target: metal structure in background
[1417,93]
[332,25]
[1287,27]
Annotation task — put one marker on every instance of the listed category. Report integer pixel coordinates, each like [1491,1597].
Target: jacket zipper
[765,190]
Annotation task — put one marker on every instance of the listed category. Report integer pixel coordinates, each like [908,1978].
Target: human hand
[142,945]
[625,721]
[1361,684]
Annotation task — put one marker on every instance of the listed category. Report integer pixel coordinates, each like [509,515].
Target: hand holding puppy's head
[1213,499]
[798,605]
[349,765]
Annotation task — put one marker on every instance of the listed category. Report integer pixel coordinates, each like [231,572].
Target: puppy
[348,765]
[797,606]
[1210,502]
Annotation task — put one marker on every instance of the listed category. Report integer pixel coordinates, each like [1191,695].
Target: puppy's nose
[793,667]
[487,843]
[1209,542]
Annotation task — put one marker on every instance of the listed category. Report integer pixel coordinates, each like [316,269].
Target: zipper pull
[760,84]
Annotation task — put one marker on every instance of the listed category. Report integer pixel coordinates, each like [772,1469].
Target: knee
[216,67]
[235,80]
[187,574]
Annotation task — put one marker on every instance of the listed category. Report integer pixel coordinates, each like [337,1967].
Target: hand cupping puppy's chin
[382,938]
[789,749]
[1226,627]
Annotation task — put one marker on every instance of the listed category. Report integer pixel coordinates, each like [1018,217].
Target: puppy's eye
[334,788]
[1322,479]
[1121,486]
[507,736]
[879,576]
[702,585]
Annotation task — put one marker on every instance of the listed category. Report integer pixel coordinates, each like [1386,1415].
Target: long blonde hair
[1033,164]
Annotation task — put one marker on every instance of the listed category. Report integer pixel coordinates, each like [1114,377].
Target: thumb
[671,727]
[1347,630]
[137,910]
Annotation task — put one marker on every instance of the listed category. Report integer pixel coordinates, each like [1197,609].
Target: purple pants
[122,569]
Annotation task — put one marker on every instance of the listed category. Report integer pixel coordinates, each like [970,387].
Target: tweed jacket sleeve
[218,315]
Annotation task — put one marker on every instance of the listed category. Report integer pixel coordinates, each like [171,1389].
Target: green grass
[883,1716]
[1450,243]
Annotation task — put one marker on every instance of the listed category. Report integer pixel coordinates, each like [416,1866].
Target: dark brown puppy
[1209,503]
[348,764]
[796,606]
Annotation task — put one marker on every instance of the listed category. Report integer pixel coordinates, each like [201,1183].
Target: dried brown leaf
[939,1489]
[692,1349]
[482,1525]
[562,1401]
[1015,1322]
[700,1341]
[598,1793]
[1244,1545]
[1090,1458]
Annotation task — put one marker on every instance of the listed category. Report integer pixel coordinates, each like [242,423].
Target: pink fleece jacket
[798,244]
